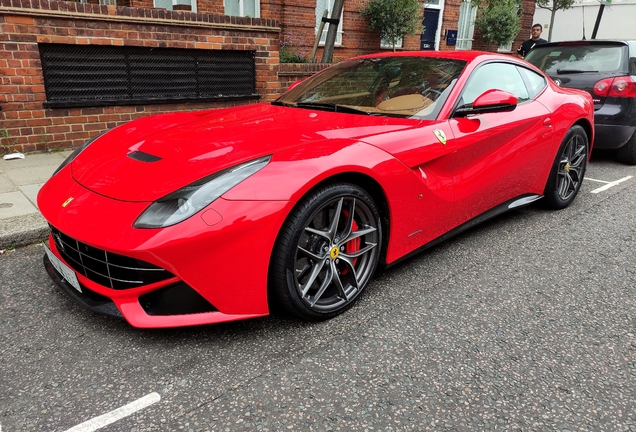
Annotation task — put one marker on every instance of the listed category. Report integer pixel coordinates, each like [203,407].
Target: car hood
[149,158]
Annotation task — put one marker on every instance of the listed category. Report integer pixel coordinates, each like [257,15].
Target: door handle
[547,122]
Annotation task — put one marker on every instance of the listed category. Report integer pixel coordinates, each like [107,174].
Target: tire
[568,170]
[326,252]
[627,153]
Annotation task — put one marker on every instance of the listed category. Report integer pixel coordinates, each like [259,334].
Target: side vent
[143,157]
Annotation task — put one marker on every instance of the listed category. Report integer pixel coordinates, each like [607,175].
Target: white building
[618,21]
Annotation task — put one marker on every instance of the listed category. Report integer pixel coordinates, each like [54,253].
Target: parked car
[203,217]
[606,70]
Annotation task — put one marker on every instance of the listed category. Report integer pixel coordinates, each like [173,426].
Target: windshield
[573,59]
[389,86]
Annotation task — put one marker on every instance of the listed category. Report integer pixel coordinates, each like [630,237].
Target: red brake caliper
[352,245]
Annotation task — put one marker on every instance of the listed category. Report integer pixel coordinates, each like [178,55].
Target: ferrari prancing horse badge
[441,136]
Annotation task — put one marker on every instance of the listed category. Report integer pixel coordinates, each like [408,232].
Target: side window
[243,8]
[190,5]
[501,76]
[321,6]
[534,82]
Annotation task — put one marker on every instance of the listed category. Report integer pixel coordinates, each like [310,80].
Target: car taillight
[616,87]
[601,88]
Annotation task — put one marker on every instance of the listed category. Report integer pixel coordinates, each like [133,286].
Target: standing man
[526,46]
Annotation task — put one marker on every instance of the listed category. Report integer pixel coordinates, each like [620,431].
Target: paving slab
[6,185]
[15,204]
[31,192]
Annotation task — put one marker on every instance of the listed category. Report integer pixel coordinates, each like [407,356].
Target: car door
[499,154]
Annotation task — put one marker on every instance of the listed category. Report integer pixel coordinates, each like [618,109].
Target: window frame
[319,13]
[172,4]
[466,26]
[387,45]
[257,8]
[480,66]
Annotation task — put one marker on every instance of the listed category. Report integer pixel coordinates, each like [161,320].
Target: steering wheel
[432,94]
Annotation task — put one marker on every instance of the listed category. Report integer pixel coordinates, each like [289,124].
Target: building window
[105,75]
[387,44]
[321,6]
[190,5]
[505,47]
[466,26]
[243,8]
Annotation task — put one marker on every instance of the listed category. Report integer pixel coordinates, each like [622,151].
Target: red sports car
[203,217]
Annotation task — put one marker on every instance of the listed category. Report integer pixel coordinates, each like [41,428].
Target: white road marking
[611,184]
[591,179]
[117,414]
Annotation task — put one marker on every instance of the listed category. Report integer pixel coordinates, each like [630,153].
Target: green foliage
[291,49]
[287,55]
[498,21]
[393,18]
[555,4]
[7,141]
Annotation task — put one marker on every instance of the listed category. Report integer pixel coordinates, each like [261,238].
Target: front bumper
[87,298]
[224,259]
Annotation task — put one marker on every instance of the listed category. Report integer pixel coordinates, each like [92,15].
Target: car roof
[455,55]
[589,42]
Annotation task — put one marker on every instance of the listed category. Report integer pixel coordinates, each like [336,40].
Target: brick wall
[298,22]
[289,73]
[25,125]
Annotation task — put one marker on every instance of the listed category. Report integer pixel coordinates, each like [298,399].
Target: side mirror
[490,101]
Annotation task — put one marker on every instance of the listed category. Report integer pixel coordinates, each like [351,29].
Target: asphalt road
[524,323]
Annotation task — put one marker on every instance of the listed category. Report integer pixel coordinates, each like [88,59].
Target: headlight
[180,205]
[77,151]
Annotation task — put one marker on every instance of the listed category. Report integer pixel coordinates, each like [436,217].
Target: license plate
[68,274]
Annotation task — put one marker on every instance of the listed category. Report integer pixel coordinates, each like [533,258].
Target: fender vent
[143,157]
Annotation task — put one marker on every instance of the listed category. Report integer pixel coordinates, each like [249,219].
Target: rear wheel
[568,169]
[627,153]
[326,252]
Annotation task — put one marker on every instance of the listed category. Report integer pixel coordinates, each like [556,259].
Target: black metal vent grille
[105,268]
[97,75]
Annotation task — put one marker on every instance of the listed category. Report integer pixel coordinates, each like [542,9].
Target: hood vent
[143,157]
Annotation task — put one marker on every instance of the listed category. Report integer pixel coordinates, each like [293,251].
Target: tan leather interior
[409,102]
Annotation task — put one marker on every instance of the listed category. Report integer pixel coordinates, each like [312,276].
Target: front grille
[105,268]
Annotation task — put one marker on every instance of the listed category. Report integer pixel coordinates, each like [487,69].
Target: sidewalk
[20,180]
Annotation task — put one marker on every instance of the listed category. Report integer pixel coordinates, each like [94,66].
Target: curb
[23,230]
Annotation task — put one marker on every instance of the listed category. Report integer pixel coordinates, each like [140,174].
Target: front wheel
[326,252]
[568,169]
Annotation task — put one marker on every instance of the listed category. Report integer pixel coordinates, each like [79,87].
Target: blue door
[430,23]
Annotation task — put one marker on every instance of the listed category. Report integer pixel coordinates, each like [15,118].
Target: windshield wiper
[332,107]
[574,71]
[285,104]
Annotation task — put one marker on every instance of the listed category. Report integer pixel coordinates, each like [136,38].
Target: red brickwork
[289,73]
[25,125]
[298,22]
